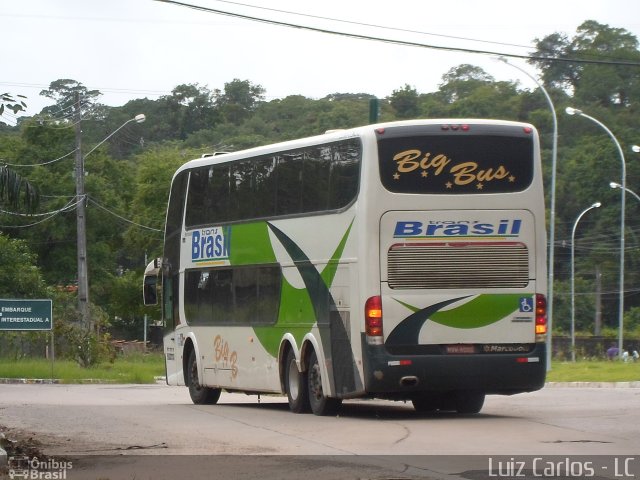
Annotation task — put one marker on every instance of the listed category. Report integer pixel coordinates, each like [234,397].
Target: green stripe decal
[300,308]
[330,270]
[479,312]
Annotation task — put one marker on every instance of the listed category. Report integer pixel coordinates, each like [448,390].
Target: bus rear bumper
[405,376]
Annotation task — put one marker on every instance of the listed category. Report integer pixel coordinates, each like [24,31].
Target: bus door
[172,340]
[158,286]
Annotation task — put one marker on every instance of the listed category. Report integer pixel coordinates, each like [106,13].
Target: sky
[132,49]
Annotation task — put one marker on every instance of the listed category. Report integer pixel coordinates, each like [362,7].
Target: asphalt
[50,381]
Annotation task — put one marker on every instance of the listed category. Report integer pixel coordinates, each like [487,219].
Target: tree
[20,277]
[405,102]
[238,100]
[199,110]
[604,85]
[15,191]
[148,207]
[64,92]
[460,81]
[14,104]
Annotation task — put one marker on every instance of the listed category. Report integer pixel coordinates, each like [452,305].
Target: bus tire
[199,394]
[296,386]
[320,404]
[469,401]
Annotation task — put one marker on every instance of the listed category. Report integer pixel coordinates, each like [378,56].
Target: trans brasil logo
[450,228]
[210,244]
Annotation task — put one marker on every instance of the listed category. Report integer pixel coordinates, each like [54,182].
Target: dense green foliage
[128,176]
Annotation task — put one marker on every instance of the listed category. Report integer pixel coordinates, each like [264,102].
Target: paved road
[121,420]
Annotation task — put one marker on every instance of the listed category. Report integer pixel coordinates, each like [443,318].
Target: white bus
[402,261]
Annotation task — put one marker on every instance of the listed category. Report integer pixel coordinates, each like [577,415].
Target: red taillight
[527,130]
[464,127]
[373,317]
[541,314]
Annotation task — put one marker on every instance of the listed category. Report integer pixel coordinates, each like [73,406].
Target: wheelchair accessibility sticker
[526,304]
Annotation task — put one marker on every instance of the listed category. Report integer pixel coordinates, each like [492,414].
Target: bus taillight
[541,317]
[373,320]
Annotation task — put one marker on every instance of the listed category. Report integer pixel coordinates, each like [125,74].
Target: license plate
[460,349]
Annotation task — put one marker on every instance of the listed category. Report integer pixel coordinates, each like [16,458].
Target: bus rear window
[456,163]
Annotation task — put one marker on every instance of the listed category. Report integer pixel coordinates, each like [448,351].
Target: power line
[382,27]
[101,89]
[122,218]
[68,207]
[39,164]
[394,41]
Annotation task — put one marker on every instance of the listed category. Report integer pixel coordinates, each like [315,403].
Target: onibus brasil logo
[25,467]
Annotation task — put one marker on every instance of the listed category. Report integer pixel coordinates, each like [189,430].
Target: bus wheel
[199,395]
[469,401]
[320,404]
[296,385]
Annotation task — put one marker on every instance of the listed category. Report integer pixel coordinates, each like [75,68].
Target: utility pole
[597,331]
[81,220]
[374,110]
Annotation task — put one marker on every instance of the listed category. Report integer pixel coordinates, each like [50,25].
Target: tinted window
[233,295]
[173,226]
[313,179]
[456,163]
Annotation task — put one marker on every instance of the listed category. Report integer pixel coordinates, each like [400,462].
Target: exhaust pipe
[409,381]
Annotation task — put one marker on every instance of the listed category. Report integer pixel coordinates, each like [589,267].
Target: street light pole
[573,284]
[623,189]
[617,185]
[552,219]
[81,219]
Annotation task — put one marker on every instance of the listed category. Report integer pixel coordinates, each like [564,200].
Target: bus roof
[336,135]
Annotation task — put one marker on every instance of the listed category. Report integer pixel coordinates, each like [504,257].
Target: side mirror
[150,282]
[150,290]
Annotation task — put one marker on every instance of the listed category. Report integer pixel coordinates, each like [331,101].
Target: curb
[54,381]
[49,381]
[593,384]
[59,381]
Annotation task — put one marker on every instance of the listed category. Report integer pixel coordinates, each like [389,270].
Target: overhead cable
[39,164]
[382,27]
[395,41]
[71,204]
[122,218]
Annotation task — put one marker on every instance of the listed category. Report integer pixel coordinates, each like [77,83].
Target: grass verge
[594,371]
[135,368]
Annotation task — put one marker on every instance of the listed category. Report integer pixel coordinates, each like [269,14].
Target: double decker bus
[402,260]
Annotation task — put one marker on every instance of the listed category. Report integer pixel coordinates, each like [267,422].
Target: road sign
[26,315]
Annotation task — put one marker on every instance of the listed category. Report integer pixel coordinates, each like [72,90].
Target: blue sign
[526,304]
